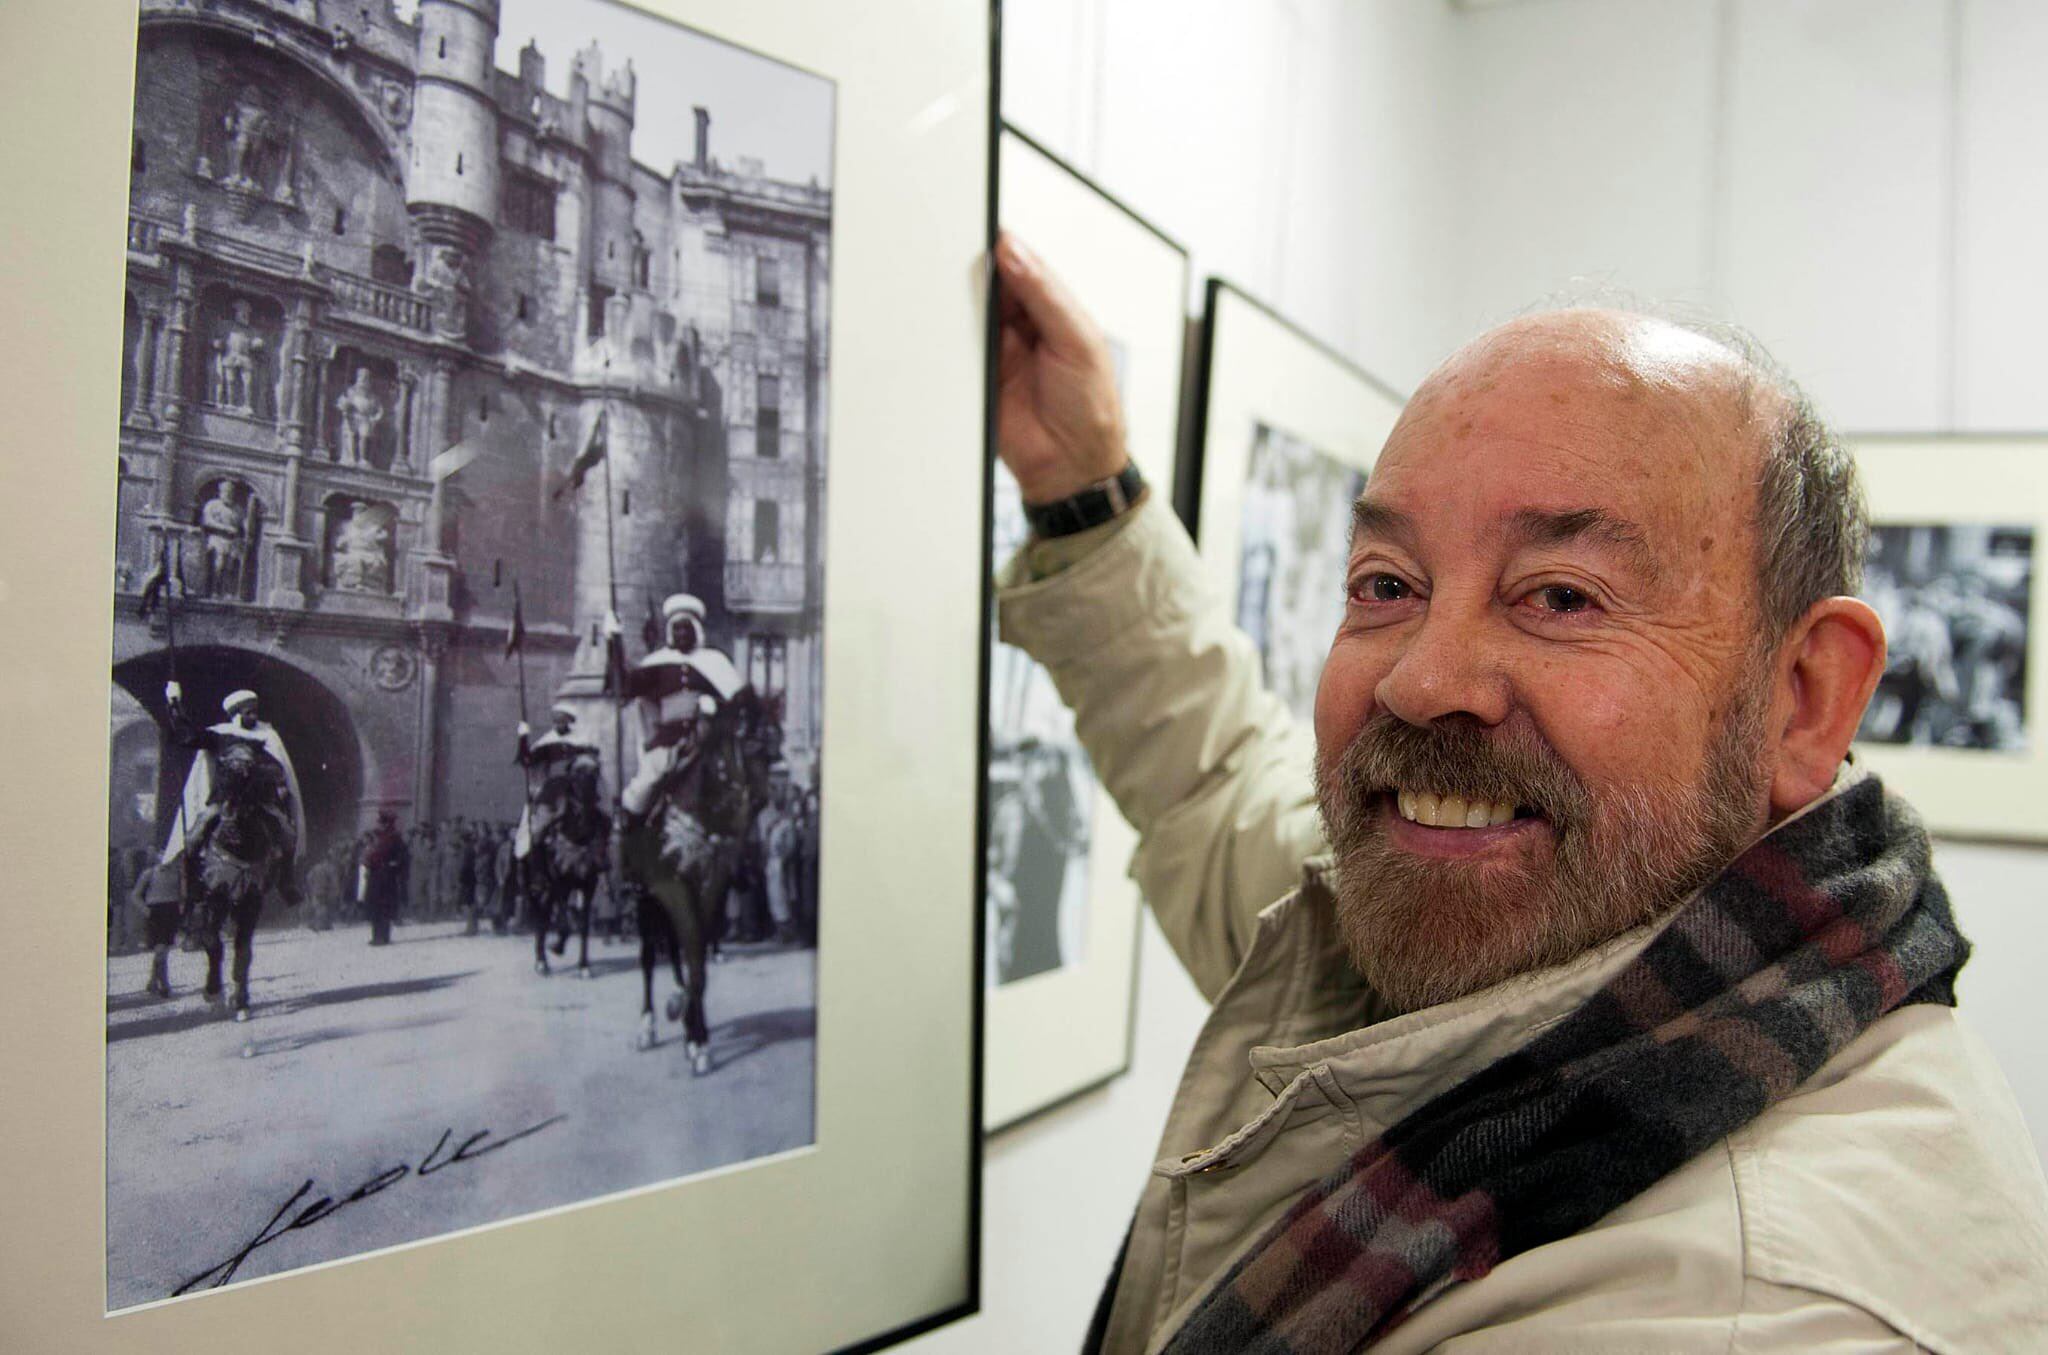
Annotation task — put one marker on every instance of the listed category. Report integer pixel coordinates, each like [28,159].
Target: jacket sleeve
[1168,701]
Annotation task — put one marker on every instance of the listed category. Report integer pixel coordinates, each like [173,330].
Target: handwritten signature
[438,1158]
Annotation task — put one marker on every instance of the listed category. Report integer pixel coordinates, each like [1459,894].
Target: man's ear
[1828,666]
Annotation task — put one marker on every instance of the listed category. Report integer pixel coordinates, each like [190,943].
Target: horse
[571,852]
[682,854]
[242,848]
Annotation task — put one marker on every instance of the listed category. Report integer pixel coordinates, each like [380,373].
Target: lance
[615,667]
[519,649]
[174,585]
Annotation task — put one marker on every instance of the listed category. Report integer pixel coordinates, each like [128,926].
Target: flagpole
[519,628]
[174,585]
[615,681]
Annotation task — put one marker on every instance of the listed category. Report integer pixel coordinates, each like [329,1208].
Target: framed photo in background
[1286,432]
[484,446]
[1958,527]
[1062,914]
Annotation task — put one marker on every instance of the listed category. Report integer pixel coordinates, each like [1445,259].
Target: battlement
[616,91]
[487,10]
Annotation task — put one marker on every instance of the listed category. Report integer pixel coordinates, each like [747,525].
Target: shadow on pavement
[188,1018]
[564,966]
[291,1044]
[746,1036]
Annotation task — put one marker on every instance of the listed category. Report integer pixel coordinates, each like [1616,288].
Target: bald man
[1573,988]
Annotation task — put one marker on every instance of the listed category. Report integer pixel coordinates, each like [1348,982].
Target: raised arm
[1204,762]
[185,732]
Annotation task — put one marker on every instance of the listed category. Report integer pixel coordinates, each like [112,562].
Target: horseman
[705,742]
[221,883]
[199,806]
[675,690]
[548,757]
[563,841]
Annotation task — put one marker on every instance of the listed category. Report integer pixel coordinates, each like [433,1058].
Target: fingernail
[1019,257]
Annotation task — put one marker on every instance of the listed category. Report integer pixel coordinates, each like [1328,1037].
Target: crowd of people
[467,870]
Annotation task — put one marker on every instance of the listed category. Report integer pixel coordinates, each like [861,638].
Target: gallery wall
[1856,180]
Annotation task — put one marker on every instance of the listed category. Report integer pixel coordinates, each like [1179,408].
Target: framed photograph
[1062,914]
[1958,526]
[1287,431]
[519,756]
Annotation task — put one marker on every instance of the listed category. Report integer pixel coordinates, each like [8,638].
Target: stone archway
[315,725]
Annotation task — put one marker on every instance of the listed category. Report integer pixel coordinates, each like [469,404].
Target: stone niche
[365,414]
[240,333]
[248,142]
[360,546]
[228,520]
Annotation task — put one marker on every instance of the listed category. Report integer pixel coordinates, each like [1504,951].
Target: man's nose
[1447,665]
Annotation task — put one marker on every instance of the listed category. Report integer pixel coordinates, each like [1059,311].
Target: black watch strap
[1101,502]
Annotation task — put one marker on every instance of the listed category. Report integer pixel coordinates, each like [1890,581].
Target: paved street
[356,1062]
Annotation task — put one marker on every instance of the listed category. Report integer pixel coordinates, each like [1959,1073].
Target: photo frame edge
[1174,443]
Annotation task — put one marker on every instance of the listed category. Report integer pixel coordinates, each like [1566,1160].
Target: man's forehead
[1578,410]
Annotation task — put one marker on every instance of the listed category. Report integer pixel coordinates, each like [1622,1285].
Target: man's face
[562,723]
[1551,611]
[246,717]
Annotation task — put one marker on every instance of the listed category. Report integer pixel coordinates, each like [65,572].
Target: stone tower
[608,103]
[451,182]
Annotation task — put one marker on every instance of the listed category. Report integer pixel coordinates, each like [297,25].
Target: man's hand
[525,729]
[173,693]
[1059,423]
[612,629]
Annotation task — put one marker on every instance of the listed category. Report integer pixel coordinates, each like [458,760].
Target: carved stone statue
[447,271]
[361,412]
[248,127]
[362,551]
[224,527]
[444,276]
[236,355]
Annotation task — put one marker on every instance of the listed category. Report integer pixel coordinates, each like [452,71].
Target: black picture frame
[1063,254]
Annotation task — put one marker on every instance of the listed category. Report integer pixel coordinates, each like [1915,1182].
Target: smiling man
[1573,990]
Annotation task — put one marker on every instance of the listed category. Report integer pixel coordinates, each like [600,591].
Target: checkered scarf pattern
[1798,947]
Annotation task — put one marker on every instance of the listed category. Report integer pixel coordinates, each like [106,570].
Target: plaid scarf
[1797,948]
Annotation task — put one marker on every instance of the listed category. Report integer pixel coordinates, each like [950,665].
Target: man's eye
[1381,588]
[1562,598]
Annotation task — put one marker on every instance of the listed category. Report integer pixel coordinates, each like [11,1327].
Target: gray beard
[1423,931]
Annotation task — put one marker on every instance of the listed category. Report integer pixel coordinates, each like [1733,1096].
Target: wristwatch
[1100,502]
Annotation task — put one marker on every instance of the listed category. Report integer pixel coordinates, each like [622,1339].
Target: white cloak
[199,788]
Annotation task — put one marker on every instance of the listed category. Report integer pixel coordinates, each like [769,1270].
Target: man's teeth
[1451,811]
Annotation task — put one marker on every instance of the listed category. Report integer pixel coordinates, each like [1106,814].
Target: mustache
[1456,757]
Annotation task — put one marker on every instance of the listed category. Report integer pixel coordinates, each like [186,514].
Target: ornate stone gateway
[445,371]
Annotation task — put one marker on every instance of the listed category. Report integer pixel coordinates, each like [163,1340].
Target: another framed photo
[535,811]
[1958,527]
[1062,914]
[1287,431]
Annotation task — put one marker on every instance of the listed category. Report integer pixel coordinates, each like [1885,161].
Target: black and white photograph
[1294,542]
[1041,801]
[1955,598]
[464,816]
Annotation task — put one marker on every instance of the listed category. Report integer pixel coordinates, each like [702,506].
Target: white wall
[1861,182]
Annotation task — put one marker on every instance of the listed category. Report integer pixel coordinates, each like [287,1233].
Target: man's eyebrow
[1376,519]
[1546,527]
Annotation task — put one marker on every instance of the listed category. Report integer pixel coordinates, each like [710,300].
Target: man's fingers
[1012,362]
[1052,310]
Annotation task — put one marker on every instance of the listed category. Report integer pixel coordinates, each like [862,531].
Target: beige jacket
[1894,1203]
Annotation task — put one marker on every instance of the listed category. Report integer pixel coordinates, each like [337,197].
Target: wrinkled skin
[1553,601]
